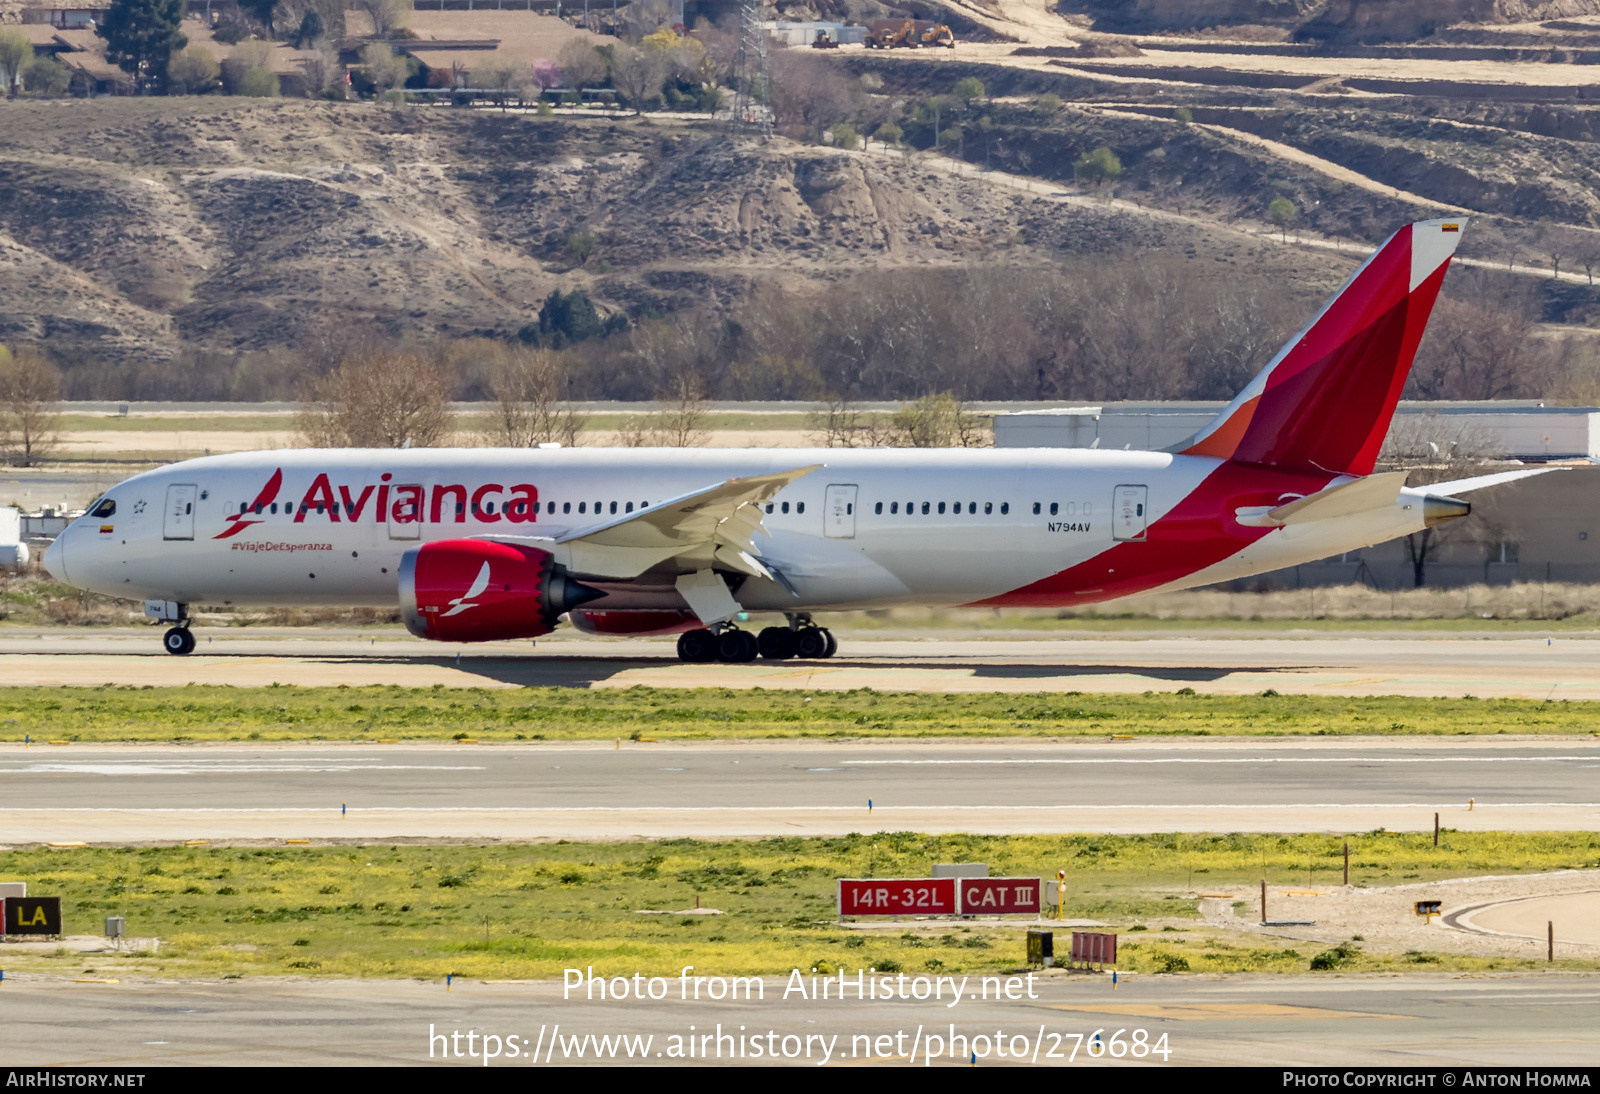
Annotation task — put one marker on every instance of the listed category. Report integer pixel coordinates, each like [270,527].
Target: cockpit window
[104,509]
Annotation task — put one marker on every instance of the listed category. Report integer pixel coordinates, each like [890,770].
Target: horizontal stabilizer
[1479,482]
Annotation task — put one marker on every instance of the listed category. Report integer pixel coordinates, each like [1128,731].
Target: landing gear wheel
[178,640]
[697,646]
[737,646]
[833,643]
[777,643]
[811,642]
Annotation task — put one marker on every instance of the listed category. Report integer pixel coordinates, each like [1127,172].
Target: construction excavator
[911,34]
[885,35]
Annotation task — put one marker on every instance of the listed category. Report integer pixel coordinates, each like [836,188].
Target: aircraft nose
[55,558]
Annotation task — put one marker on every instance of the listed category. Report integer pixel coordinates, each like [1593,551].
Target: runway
[1420,1021]
[137,793]
[1534,666]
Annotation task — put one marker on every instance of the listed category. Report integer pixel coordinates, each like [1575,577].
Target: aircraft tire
[697,646]
[178,641]
[777,643]
[737,647]
[811,642]
[833,643]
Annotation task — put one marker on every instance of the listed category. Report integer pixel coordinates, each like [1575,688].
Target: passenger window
[784,507]
[894,507]
[566,507]
[583,507]
[878,508]
[769,507]
[630,507]
[549,508]
[972,508]
[108,507]
[988,507]
[850,509]
[1005,507]
[1072,508]
[613,508]
[799,507]
[941,508]
[924,508]
[1053,508]
[1087,508]
[274,507]
[1035,508]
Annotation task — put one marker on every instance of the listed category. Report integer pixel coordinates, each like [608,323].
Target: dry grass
[531,911]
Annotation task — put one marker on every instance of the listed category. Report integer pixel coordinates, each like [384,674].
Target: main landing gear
[178,640]
[801,638]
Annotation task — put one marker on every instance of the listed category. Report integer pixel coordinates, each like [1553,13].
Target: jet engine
[478,590]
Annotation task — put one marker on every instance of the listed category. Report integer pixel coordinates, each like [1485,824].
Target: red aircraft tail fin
[1325,401]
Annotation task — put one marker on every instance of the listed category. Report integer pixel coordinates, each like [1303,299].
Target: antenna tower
[752,110]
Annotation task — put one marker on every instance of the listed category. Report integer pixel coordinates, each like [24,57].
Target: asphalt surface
[1339,1022]
[1533,666]
[625,789]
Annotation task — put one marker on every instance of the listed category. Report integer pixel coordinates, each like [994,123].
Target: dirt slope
[133,228]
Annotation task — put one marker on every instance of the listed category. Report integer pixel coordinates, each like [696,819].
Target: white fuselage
[871,528]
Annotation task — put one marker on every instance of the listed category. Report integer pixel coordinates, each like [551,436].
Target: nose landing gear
[178,640]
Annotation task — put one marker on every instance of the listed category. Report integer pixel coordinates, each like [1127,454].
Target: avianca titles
[479,545]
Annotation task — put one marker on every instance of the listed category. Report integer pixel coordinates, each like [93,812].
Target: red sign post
[999,895]
[897,896]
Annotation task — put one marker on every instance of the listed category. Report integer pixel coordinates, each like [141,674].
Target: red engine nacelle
[634,621]
[477,590]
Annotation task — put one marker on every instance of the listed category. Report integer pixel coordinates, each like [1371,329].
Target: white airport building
[1543,529]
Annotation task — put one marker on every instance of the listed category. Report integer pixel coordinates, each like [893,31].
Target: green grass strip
[530,911]
[281,713]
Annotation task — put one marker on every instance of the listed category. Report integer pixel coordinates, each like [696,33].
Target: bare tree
[530,393]
[678,419]
[810,94]
[384,68]
[377,400]
[505,76]
[30,405]
[321,68]
[1481,346]
[387,16]
[638,73]
[581,66]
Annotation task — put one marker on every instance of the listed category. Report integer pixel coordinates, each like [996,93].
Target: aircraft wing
[714,524]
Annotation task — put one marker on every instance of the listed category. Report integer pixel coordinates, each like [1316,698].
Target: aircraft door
[840,512]
[405,511]
[1129,512]
[178,523]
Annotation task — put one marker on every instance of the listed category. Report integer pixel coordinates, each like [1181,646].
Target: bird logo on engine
[461,603]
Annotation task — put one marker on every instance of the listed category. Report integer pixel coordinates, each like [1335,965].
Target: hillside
[134,228]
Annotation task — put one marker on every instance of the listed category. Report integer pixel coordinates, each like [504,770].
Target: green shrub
[1172,962]
[257,83]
